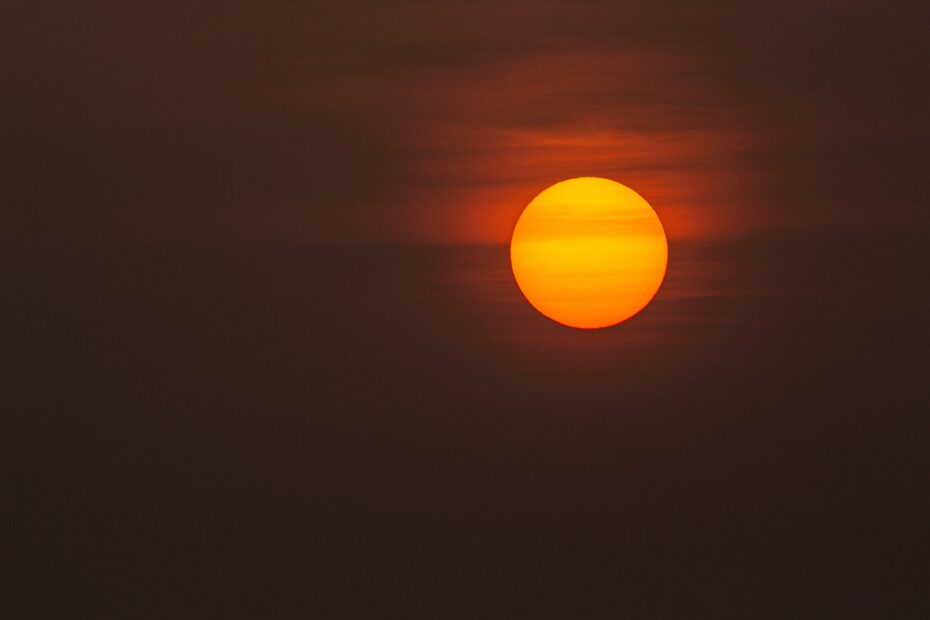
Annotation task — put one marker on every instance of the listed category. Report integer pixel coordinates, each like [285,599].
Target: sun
[589,252]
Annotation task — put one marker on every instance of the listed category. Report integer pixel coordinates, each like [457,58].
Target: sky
[265,356]
[434,123]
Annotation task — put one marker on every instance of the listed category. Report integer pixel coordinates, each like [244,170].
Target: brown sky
[214,409]
[437,122]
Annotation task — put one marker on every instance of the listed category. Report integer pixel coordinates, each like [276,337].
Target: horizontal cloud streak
[419,121]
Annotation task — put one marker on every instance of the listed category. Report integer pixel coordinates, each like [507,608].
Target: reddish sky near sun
[438,122]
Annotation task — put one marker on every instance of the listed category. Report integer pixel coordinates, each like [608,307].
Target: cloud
[426,121]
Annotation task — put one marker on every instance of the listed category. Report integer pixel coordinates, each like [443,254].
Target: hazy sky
[439,121]
[217,410]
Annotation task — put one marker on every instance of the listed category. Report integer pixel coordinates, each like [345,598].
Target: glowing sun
[589,252]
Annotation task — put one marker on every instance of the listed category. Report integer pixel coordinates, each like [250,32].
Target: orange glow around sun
[589,252]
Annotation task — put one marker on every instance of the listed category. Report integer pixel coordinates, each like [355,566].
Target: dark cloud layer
[435,122]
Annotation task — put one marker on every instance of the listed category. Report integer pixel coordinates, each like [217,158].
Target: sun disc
[589,252]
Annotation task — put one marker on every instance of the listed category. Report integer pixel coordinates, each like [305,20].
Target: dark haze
[266,359]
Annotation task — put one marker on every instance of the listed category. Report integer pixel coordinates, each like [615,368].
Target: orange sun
[589,252]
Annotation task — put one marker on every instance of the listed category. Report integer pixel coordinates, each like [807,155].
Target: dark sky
[268,359]
[438,121]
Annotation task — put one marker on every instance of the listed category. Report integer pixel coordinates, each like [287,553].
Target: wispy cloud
[419,120]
